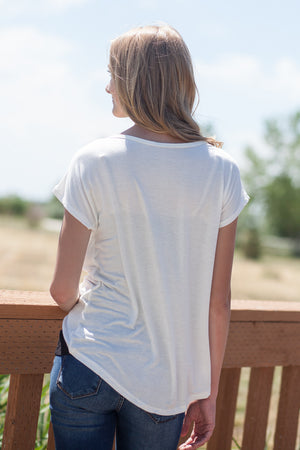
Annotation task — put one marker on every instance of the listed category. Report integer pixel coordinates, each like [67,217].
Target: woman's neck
[141,132]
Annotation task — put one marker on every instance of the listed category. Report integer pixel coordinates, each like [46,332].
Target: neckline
[159,144]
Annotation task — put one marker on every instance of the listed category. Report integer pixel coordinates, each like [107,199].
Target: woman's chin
[119,114]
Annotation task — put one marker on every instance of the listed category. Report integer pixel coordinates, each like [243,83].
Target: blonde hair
[153,74]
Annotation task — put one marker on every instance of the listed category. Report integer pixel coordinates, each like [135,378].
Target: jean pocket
[76,380]
[157,418]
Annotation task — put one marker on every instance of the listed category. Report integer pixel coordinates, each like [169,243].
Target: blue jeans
[87,413]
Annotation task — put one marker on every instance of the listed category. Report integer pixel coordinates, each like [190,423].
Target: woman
[151,214]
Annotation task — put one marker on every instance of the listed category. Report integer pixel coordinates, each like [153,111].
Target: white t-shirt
[155,211]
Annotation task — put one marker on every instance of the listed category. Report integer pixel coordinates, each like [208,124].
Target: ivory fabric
[155,211]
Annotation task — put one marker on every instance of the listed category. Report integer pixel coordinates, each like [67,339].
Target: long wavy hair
[154,79]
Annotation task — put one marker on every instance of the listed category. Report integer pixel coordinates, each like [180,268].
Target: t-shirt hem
[72,210]
[129,396]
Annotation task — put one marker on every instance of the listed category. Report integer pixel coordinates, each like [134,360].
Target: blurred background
[53,73]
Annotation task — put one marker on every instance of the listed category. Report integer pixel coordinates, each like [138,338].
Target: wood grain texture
[288,409]
[27,346]
[262,344]
[22,412]
[257,410]
[28,305]
[51,441]
[242,310]
[264,311]
[226,404]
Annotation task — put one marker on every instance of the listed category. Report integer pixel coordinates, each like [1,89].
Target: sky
[53,73]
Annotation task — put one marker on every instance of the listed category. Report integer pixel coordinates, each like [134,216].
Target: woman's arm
[72,245]
[219,311]
[202,412]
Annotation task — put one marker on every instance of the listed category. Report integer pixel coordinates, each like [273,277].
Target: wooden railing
[262,335]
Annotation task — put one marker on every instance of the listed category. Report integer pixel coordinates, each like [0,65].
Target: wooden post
[22,411]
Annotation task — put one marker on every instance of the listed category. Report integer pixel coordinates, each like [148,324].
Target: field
[27,259]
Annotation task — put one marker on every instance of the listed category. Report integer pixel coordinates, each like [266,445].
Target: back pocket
[157,418]
[76,380]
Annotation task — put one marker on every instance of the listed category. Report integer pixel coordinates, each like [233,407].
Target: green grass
[4,386]
[44,417]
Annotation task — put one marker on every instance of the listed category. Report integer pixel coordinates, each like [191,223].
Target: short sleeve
[235,197]
[74,191]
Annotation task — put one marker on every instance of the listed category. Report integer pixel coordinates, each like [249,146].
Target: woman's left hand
[203,414]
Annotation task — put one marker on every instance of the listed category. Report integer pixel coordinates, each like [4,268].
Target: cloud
[239,92]
[38,85]
[33,72]
[248,76]
[64,4]
[154,4]
[48,107]
[17,7]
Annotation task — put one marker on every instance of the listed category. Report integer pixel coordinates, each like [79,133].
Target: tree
[54,208]
[283,206]
[13,205]
[274,180]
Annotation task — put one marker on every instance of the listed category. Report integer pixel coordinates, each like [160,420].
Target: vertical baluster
[22,411]
[288,409]
[51,441]
[258,402]
[226,404]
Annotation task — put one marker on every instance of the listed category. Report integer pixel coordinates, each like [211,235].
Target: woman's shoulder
[99,148]
[221,156]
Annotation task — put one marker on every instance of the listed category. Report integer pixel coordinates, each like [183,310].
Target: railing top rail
[28,305]
[265,311]
[39,305]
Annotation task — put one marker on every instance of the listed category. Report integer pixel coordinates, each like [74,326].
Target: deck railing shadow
[262,335]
